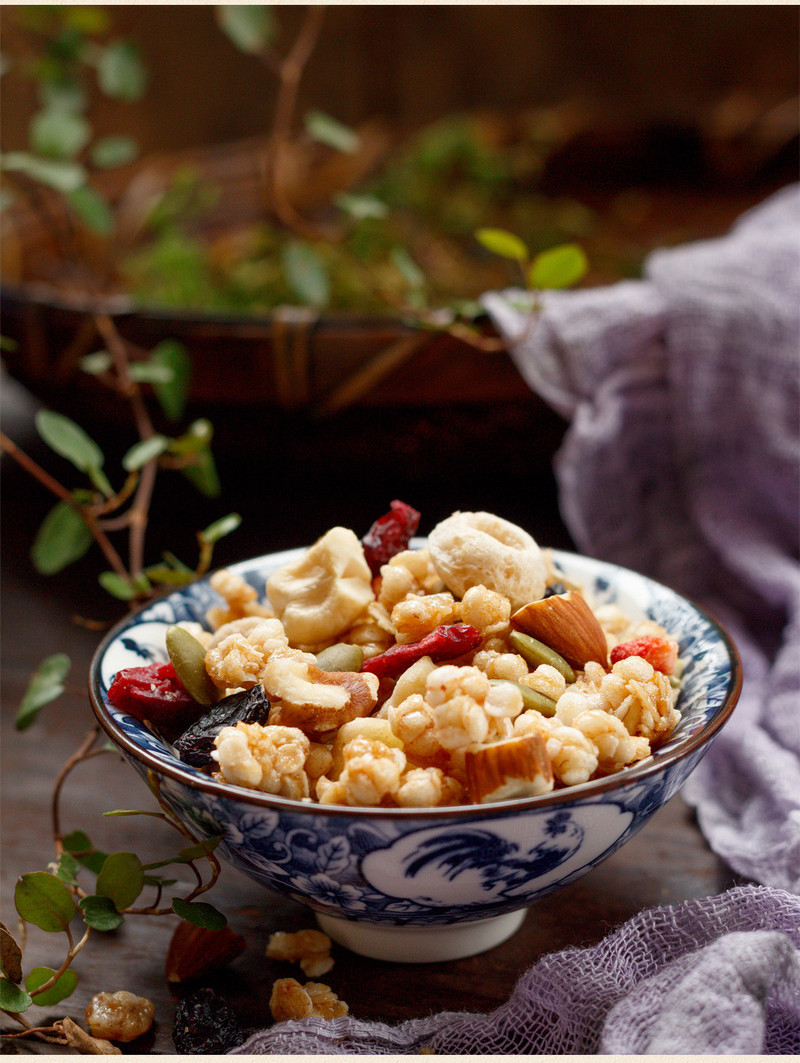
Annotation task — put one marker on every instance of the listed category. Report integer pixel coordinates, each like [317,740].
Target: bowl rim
[195,780]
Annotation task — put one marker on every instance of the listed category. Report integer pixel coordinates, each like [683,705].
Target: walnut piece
[120,1016]
[315,700]
[291,1000]
[310,948]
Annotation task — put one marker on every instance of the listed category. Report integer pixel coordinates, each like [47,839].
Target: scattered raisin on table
[196,744]
[205,1025]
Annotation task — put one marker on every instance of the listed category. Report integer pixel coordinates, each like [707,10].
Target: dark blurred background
[676,65]
[699,102]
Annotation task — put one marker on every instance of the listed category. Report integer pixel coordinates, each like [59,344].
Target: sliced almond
[513,767]
[565,623]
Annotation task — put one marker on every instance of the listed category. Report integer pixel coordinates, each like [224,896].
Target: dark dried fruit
[389,535]
[205,1025]
[154,694]
[196,744]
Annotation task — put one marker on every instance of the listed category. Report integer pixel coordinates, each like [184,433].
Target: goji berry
[153,693]
[389,535]
[661,653]
[443,644]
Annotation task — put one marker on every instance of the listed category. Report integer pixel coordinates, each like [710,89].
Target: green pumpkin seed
[341,657]
[536,653]
[531,699]
[189,661]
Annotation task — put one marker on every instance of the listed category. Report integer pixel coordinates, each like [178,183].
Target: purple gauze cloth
[682,461]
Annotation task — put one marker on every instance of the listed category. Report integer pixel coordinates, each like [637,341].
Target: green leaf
[121,879]
[172,392]
[96,363]
[61,174]
[45,685]
[90,20]
[224,526]
[168,577]
[361,206]
[120,71]
[58,133]
[407,268]
[112,151]
[10,955]
[62,538]
[64,93]
[141,453]
[64,986]
[200,849]
[69,440]
[199,913]
[251,27]
[558,267]
[117,586]
[150,373]
[12,998]
[99,913]
[327,130]
[77,842]
[93,210]
[501,242]
[79,845]
[203,474]
[68,868]
[197,437]
[306,273]
[40,898]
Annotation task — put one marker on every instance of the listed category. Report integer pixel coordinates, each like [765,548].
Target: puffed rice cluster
[421,740]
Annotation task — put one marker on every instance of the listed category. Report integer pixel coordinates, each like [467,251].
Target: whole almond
[566,624]
[196,950]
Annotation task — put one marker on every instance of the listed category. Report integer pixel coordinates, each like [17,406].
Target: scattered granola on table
[465,671]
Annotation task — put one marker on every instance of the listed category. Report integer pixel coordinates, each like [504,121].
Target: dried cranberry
[659,652]
[196,743]
[205,1025]
[443,644]
[153,693]
[389,535]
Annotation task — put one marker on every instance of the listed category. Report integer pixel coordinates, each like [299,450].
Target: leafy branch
[49,900]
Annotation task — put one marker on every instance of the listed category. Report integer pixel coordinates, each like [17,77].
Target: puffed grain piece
[419,614]
[428,787]
[573,756]
[270,758]
[241,599]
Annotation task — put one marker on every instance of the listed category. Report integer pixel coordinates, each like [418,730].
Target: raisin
[389,535]
[205,1025]
[154,694]
[195,745]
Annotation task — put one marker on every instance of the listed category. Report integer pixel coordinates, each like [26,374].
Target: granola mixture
[467,671]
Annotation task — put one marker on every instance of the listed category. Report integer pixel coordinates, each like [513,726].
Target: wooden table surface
[666,863]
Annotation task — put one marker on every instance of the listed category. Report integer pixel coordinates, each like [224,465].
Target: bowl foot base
[422,944]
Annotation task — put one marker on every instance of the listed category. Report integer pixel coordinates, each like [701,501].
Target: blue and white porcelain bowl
[410,885]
